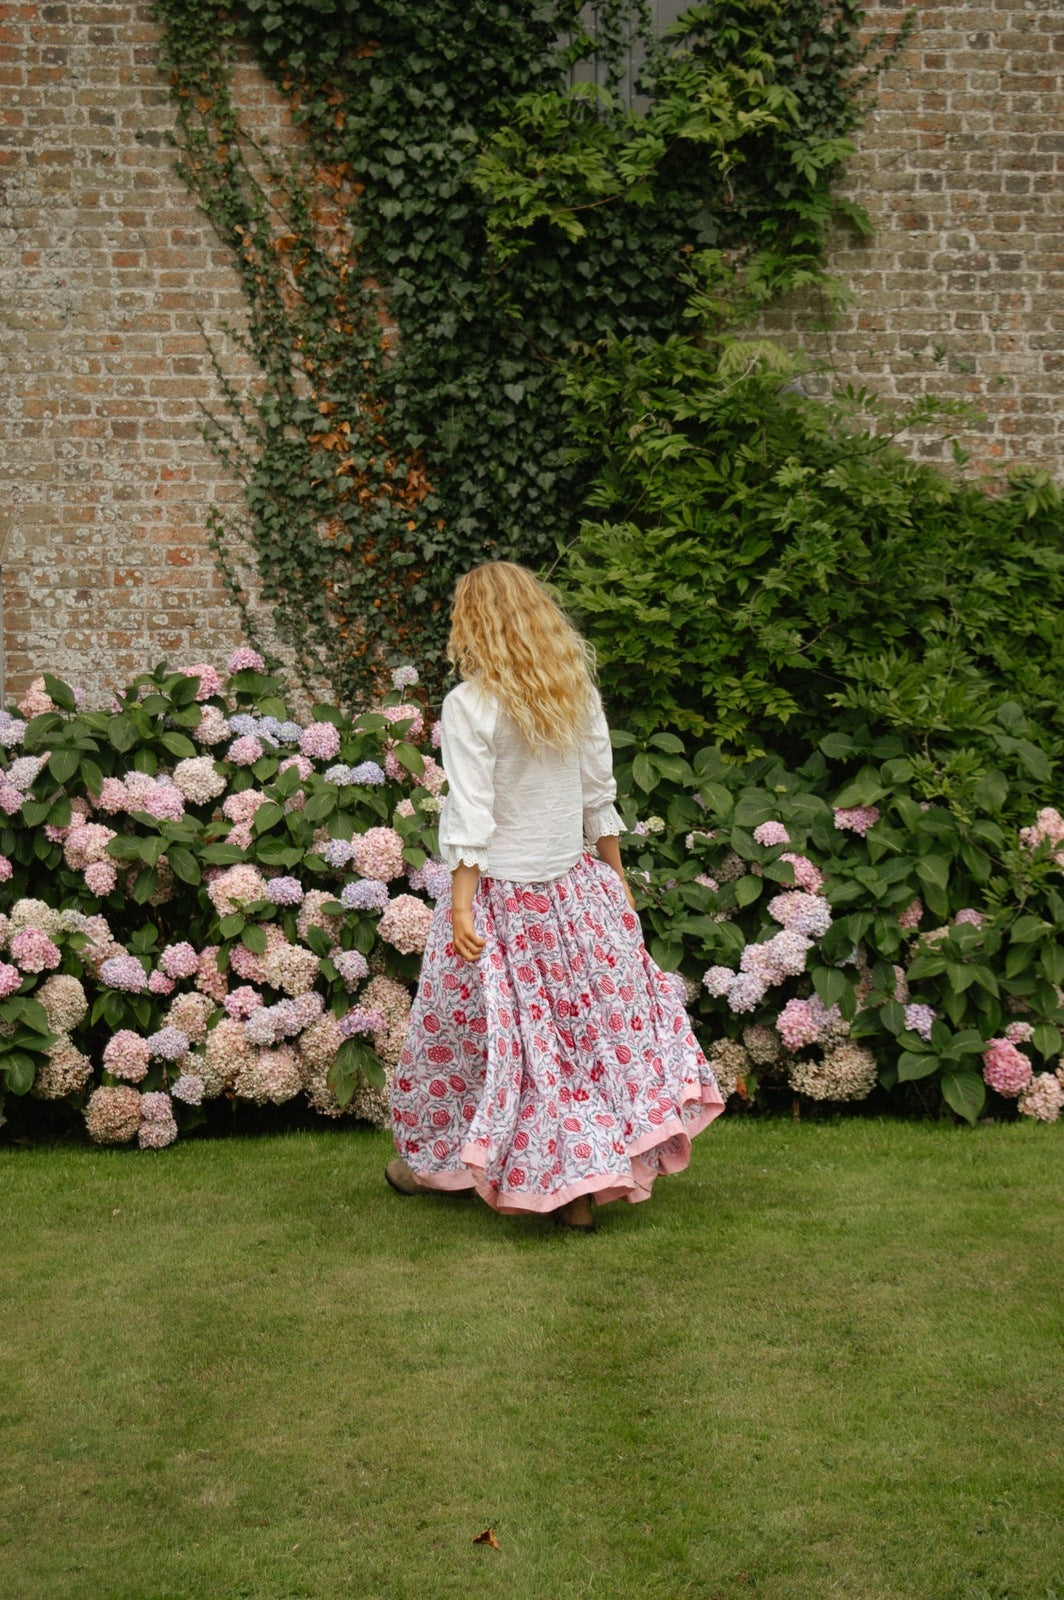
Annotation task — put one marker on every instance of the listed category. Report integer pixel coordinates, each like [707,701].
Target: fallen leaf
[487,1537]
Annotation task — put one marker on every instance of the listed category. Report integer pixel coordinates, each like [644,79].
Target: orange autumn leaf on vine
[487,1537]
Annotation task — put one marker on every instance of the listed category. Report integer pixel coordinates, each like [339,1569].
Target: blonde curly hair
[508,634]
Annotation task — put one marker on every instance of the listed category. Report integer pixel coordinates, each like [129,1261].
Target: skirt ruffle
[561,1064]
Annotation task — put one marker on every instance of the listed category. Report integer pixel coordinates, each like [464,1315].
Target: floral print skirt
[561,1063]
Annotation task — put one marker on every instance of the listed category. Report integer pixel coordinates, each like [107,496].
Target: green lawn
[827,1361]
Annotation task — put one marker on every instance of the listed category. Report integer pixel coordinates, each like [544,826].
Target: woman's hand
[463,934]
[464,880]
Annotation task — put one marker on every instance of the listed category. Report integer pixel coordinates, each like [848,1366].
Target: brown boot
[578,1214]
[403,1179]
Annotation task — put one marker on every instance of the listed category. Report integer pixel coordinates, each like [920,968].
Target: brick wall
[107,270]
[960,293]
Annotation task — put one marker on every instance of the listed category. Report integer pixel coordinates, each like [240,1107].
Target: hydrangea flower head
[856,819]
[769,833]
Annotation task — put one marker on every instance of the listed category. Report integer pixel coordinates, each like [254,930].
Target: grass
[825,1362]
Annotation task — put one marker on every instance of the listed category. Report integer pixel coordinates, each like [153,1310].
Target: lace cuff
[464,855]
[602,823]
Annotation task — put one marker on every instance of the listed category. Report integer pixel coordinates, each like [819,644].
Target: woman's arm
[609,850]
[464,880]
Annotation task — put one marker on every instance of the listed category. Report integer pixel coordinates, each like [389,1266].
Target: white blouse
[515,812]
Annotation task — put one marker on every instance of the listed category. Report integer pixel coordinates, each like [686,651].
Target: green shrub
[770,568]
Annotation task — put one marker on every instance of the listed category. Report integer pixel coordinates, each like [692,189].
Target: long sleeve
[467,821]
[598,786]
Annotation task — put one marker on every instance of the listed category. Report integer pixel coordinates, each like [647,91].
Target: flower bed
[206,898]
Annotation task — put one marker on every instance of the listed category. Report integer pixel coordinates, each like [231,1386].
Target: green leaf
[231,924]
[991,791]
[1027,928]
[410,757]
[19,1069]
[747,890]
[830,984]
[1046,1039]
[63,764]
[122,732]
[178,745]
[964,1092]
[183,864]
[1051,960]
[267,816]
[643,772]
[254,939]
[60,692]
[320,805]
[912,1066]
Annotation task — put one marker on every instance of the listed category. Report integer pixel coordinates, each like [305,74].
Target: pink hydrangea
[802,913]
[405,924]
[290,967]
[974,919]
[769,833]
[243,806]
[351,965]
[159,983]
[405,808]
[806,875]
[33,951]
[379,854]
[918,1019]
[238,886]
[718,980]
[241,1002]
[404,677]
[406,713]
[320,741]
[10,979]
[209,980]
[213,727]
[745,993]
[165,803]
[101,877]
[86,842]
[245,751]
[199,780]
[359,1020]
[114,796]
[10,798]
[179,960]
[856,819]
[910,917]
[1006,1069]
[1043,1099]
[432,777]
[798,1025]
[244,659]
[773,960]
[1048,829]
[303,765]
[210,681]
[36,701]
[126,1055]
[112,1115]
[1019,1033]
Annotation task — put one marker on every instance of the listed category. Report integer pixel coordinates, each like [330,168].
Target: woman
[548,1062]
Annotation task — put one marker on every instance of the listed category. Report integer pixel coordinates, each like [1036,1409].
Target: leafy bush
[883,939]
[770,568]
[200,897]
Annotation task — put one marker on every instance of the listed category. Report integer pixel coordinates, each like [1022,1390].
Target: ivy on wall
[454,223]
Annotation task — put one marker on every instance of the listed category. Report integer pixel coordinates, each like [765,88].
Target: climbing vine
[468,202]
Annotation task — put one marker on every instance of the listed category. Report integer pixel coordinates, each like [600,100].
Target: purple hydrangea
[169,1044]
[337,852]
[351,965]
[124,972]
[285,891]
[361,1020]
[367,772]
[365,894]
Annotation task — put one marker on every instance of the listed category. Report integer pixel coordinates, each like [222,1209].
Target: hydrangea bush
[207,900]
[205,897]
[833,945]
